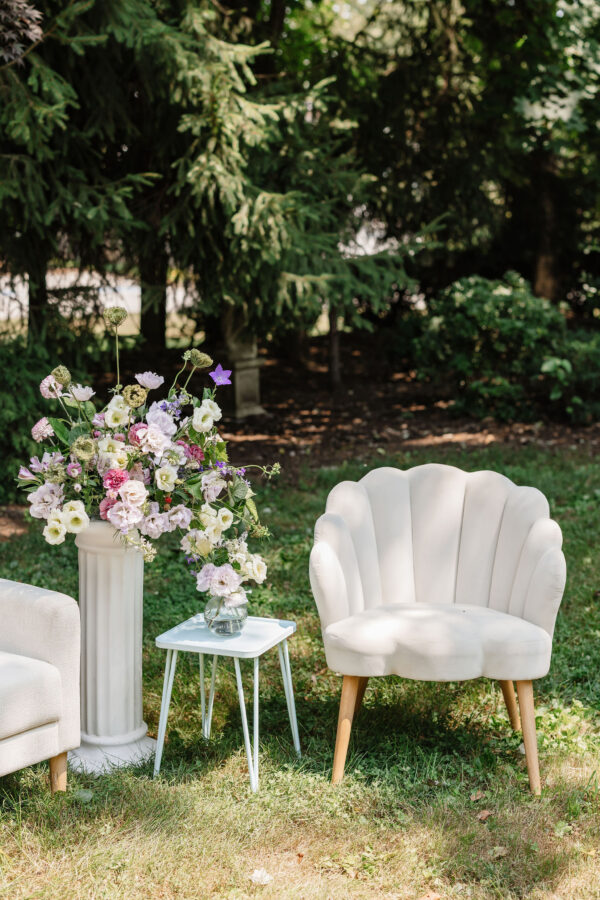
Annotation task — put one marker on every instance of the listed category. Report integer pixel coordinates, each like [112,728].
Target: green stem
[117,352]
[188,378]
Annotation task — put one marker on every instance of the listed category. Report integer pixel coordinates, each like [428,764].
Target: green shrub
[488,341]
[21,406]
[573,377]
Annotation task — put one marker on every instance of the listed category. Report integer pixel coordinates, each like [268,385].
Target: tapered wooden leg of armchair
[58,773]
[525,692]
[350,688]
[362,686]
[508,692]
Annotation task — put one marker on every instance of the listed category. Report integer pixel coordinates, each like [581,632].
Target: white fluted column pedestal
[111,590]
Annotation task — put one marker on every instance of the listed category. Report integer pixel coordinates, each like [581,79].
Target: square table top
[256,637]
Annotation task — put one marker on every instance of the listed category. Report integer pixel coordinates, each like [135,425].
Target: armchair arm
[44,624]
[328,584]
[540,577]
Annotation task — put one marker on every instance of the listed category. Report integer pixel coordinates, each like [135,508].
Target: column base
[97,759]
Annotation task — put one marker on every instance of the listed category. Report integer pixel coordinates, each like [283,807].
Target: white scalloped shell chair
[436,574]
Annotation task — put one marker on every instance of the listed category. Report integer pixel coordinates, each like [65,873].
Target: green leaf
[77,431]
[251,507]
[60,430]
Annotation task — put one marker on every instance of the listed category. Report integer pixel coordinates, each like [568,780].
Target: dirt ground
[379,410]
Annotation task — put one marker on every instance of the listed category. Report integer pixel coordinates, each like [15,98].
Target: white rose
[76,520]
[153,440]
[257,569]
[54,532]
[225,518]
[165,478]
[202,420]
[133,493]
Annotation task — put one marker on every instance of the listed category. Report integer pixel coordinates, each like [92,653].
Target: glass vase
[221,619]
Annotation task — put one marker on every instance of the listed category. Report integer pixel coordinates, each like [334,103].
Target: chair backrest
[436,534]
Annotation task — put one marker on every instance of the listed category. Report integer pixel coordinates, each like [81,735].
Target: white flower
[204,577]
[117,402]
[45,499]
[55,531]
[196,542]
[202,420]
[256,568]
[73,506]
[124,517]
[180,517]
[224,581]
[225,518]
[212,408]
[133,493]
[157,416]
[75,520]
[165,478]
[153,440]
[149,380]
[212,485]
[115,417]
[80,393]
[109,445]
[155,523]
[119,459]
[238,598]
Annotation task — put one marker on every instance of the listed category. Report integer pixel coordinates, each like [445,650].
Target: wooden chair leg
[508,692]
[362,686]
[525,693]
[350,687]
[58,773]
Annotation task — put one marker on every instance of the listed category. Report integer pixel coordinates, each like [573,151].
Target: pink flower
[98,420]
[192,451]
[42,430]
[25,474]
[50,389]
[105,505]
[74,469]
[119,437]
[133,433]
[114,478]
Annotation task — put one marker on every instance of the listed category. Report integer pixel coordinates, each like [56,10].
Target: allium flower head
[198,359]
[114,315]
[42,430]
[134,395]
[84,448]
[149,380]
[62,375]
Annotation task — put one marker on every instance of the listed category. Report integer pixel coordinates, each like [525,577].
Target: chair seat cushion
[438,642]
[30,694]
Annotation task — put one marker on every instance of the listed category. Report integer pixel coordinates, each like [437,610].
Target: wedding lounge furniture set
[431,574]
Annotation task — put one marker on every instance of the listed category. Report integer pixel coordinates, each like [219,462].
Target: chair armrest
[44,624]
[328,584]
[546,590]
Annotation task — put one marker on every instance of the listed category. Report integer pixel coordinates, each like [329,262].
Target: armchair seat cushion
[438,642]
[30,694]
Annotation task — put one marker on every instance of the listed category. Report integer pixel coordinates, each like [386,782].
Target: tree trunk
[335,367]
[154,264]
[545,282]
[38,295]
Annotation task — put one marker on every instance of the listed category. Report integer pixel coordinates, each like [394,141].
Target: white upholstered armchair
[436,574]
[39,679]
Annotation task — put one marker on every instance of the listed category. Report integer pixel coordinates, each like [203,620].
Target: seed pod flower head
[62,375]
[115,315]
[134,395]
[198,359]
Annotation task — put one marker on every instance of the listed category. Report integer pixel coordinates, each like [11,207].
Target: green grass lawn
[425,759]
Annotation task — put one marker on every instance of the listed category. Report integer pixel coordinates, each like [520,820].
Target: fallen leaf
[498,852]
[300,857]
[261,876]
[478,795]
[484,815]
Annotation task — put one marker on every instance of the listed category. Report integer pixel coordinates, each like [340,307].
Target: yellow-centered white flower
[54,532]
[165,478]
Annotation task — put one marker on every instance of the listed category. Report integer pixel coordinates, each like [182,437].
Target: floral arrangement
[148,467]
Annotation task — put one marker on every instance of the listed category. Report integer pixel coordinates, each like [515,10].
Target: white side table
[258,636]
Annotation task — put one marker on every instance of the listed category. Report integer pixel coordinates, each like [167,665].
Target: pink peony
[105,505]
[114,478]
[42,430]
[50,389]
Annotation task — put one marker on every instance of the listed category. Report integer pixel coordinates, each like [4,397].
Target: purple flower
[74,469]
[25,474]
[220,375]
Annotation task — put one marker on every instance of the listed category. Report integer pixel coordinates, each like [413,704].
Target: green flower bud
[62,375]
[84,448]
[134,395]
[115,315]
[198,359]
